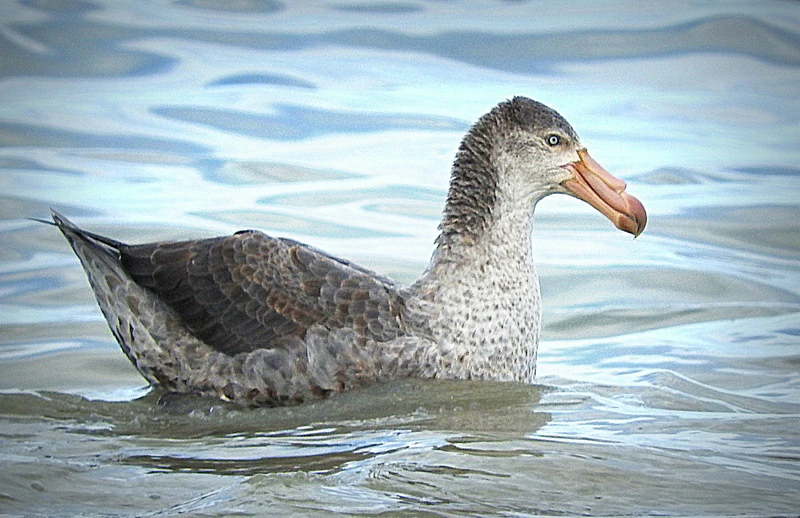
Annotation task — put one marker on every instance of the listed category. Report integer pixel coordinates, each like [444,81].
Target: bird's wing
[249,290]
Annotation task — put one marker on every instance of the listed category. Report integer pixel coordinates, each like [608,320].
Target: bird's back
[244,317]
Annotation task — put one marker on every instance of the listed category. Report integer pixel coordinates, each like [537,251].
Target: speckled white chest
[482,301]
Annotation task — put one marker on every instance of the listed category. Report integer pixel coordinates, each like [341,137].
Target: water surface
[669,365]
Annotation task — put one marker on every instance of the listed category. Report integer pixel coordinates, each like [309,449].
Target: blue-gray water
[669,374]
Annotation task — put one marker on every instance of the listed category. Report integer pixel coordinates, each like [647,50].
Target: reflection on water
[670,362]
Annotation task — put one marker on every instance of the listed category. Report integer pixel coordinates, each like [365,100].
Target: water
[669,366]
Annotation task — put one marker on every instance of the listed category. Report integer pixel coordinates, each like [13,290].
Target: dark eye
[553,140]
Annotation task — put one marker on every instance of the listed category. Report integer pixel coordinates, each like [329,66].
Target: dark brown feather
[248,291]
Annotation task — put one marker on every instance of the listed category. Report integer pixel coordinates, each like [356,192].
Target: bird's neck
[480,292]
[473,188]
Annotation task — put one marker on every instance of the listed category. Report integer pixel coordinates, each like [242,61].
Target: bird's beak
[606,193]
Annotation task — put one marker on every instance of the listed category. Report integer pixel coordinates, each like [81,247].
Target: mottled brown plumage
[263,320]
[240,292]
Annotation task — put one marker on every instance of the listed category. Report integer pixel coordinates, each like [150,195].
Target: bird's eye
[553,140]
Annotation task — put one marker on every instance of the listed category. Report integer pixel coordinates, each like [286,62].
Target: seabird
[261,320]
